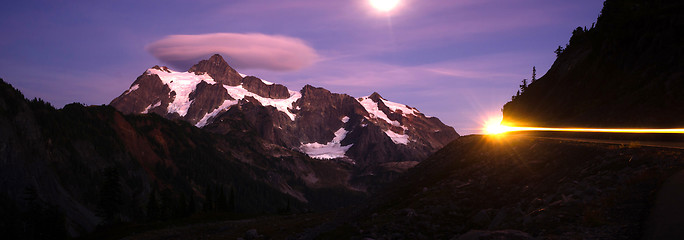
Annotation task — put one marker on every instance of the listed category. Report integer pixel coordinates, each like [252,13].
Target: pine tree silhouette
[231,200]
[559,51]
[208,200]
[221,201]
[153,206]
[523,86]
[110,196]
[191,205]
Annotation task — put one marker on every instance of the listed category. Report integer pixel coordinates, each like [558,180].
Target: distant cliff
[626,71]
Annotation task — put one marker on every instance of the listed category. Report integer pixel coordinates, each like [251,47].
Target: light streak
[495,126]
[503,129]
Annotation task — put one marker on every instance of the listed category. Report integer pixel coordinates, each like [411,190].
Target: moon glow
[384,5]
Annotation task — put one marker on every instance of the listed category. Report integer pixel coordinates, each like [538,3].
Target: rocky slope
[59,163]
[519,188]
[367,131]
[627,71]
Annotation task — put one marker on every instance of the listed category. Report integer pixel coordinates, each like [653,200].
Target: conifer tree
[221,201]
[231,200]
[191,205]
[534,73]
[523,86]
[182,208]
[153,206]
[110,196]
[208,200]
[167,206]
[559,51]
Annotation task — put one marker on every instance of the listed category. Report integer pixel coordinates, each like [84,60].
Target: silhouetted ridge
[627,71]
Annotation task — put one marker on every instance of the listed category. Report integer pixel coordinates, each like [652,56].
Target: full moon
[384,5]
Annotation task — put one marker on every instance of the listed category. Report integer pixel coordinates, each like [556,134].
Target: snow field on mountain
[405,110]
[238,92]
[183,83]
[374,111]
[333,149]
[283,105]
[224,106]
[397,138]
[372,108]
[133,88]
[151,106]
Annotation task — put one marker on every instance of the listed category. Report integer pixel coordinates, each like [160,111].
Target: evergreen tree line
[165,204]
[577,34]
[162,204]
[524,85]
[37,220]
[216,199]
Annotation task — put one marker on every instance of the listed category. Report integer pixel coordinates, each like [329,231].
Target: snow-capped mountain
[211,95]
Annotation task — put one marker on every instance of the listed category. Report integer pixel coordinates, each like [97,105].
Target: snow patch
[182,83]
[151,106]
[224,106]
[405,110]
[283,105]
[397,138]
[266,82]
[133,88]
[372,108]
[333,149]
[345,119]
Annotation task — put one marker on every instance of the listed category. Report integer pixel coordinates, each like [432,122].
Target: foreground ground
[516,187]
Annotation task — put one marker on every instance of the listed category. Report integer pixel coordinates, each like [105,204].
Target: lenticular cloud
[242,51]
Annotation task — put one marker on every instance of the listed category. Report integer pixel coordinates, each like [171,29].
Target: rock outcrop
[218,69]
[270,90]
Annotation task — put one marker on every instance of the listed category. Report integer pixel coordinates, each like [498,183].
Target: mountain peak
[311,90]
[314,120]
[219,70]
[217,59]
[375,97]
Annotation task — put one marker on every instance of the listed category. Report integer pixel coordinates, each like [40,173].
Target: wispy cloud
[244,51]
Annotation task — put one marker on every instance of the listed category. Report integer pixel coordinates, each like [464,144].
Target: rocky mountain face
[626,71]
[78,167]
[66,171]
[367,131]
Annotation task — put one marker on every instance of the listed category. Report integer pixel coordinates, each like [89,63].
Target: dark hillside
[88,166]
[627,71]
[520,187]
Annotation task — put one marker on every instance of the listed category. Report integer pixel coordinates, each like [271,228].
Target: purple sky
[459,60]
